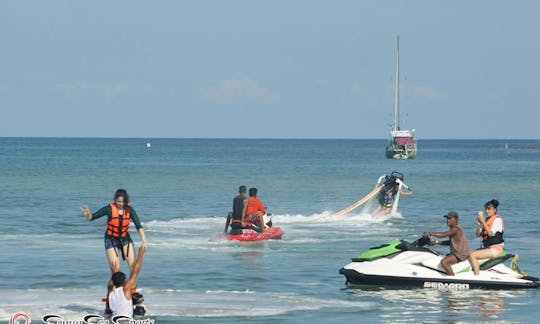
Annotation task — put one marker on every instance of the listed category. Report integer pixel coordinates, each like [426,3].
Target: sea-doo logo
[446,285]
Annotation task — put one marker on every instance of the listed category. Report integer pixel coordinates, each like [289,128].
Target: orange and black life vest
[497,237]
[118,225]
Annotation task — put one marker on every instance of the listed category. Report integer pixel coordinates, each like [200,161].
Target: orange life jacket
[118,225]
[497,238]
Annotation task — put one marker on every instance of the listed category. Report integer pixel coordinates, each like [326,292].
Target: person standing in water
[117,239]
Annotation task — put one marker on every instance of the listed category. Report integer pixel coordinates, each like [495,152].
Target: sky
[269,69]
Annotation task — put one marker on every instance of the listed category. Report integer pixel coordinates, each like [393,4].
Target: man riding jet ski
[404,264]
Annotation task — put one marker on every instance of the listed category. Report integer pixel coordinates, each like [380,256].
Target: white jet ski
[402,264]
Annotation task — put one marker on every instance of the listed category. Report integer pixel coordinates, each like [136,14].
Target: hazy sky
[269,69]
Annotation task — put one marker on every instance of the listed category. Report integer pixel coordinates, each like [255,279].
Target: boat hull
[400,153]
[249,235]
[355,278]
[401,264]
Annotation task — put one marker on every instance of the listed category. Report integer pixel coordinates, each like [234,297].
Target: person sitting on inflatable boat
[253,212]
[235,217]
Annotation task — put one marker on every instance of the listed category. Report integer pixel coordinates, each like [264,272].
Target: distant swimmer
[117,239]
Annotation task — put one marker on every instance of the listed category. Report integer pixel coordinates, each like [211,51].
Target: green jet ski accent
[380,251]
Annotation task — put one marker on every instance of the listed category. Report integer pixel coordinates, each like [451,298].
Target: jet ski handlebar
[421,241]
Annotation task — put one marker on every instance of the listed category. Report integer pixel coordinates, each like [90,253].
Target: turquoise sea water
[53,260]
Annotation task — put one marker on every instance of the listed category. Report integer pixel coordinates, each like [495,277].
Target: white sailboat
[401,144]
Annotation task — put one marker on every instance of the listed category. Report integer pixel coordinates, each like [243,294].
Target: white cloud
[237,89]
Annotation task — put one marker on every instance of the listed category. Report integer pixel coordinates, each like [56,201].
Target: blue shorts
[116,242]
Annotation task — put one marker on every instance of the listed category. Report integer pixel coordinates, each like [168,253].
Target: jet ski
[251,233]
[399,263]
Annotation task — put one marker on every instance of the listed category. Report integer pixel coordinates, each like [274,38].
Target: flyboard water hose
[363,200]
[384,183]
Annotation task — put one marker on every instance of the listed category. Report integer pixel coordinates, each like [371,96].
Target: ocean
[53,259]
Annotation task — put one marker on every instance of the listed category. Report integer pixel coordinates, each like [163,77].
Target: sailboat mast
[395,125]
